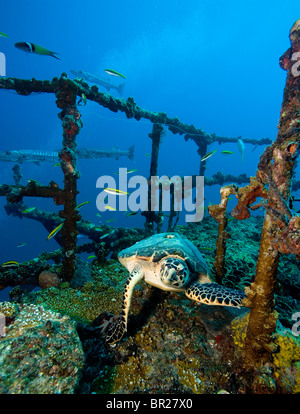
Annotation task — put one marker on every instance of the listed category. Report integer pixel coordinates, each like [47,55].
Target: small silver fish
[21,244]
[104,235]
[241,147]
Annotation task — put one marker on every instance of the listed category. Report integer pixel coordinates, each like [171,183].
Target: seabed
[173,345]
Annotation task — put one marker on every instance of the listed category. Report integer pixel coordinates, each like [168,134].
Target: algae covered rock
[40,353]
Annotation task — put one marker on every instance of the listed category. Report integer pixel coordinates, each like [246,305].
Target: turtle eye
[174,272]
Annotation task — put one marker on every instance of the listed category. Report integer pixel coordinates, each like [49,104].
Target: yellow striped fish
[114,191]
[110,208]
[55,231]
[11,263]
[82,204]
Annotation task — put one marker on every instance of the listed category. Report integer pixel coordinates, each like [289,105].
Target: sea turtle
[170,262]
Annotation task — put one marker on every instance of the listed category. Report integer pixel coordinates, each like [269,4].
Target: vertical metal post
[276,169]
[151,216]
[71,122]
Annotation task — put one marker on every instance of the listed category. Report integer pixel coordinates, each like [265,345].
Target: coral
[30,316]
[286,362]
[189,373]
[247,196]
[8,309]
[264,384]
[85,303]
[170,347]
[239,327]
[81,305]
[218,212]
[288,241]
[48,279]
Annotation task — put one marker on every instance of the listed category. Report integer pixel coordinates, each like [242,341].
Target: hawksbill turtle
[169,262]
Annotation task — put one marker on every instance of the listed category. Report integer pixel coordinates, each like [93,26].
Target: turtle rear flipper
[116,330]
[214,294]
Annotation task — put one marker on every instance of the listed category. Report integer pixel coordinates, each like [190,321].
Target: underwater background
[213,64]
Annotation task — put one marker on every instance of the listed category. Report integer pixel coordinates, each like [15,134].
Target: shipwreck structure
[67,91]
[272,184]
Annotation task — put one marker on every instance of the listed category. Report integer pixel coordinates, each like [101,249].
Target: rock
[40,354]
[48,279]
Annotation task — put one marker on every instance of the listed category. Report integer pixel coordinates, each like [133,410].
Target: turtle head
[174,272]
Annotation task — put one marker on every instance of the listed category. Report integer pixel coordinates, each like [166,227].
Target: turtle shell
[163,245]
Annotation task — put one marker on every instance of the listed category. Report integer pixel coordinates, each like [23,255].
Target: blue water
[213,64]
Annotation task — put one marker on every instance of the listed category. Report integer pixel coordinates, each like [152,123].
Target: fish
[36,49]
[113,152]
[241,147]
[205,248]
[110,220]
[128,171]
[21,244]
[147,154]
[3,35]
[38,156]
[132,213]
[99,81]
[11,263]
[58,164]
[114,73]
[104,235]
[98,215]
[28,210]
[30,180]
[92,256]
[227,152]
[110,208]
[82,204]
[208,155]
[28,156]
[82,100]
[114,191]
[55,231]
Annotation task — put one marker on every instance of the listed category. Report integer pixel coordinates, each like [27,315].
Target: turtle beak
[170,275]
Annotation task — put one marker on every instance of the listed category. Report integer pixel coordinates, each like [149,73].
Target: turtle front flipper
[116,331]
[214,294]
